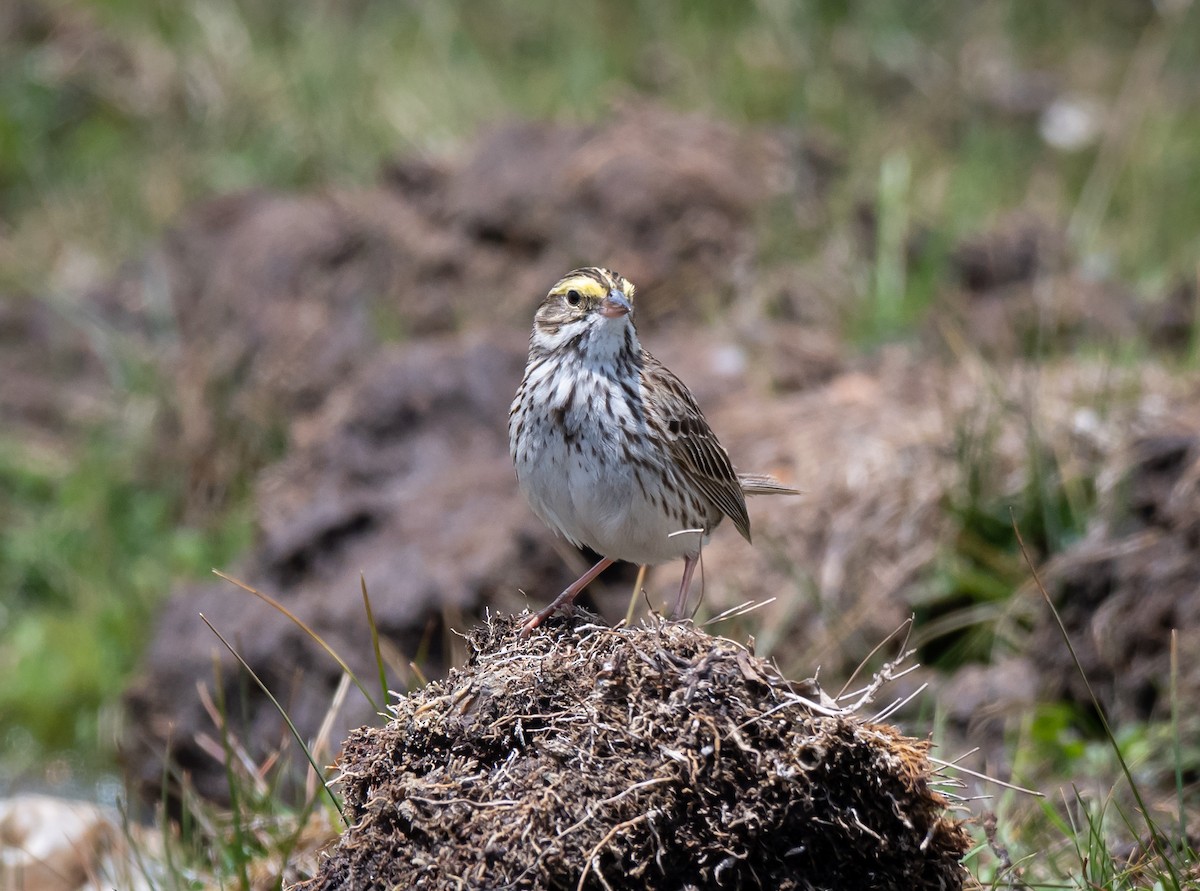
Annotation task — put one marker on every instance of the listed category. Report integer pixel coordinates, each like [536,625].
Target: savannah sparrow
[610,447]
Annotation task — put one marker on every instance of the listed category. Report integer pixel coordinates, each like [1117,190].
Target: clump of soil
[1134,581]
[650,757]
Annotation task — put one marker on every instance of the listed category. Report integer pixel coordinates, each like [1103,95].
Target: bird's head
[588,307]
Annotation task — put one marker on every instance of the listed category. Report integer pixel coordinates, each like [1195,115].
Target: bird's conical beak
[615,305]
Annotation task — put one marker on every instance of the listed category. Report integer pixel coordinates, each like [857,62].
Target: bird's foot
[537,619]
[565,598]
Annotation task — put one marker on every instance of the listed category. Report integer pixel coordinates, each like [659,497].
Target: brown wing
[691,443]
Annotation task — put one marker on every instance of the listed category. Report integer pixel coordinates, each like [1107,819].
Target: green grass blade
[238,852]
[303,626]
[1155,836]
[292,727]
[383,684]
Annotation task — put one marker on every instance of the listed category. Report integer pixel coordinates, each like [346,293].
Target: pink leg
[689,566]
[565,597]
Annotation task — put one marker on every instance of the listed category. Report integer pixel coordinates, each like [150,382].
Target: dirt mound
[256,306]
[1015,250]
[1020,292]
[655,757]
[880,451]
[668,199]
[1134,580]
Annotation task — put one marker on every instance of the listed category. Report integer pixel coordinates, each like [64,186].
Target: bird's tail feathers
[764,484]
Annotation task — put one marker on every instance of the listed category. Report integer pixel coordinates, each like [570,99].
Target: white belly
[575,472]
[601,505]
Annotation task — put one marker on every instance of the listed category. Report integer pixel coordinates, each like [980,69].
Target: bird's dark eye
[574,297]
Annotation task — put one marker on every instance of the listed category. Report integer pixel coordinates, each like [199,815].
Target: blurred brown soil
[649,757]
[1130,584]
[53,383]
[1018,292]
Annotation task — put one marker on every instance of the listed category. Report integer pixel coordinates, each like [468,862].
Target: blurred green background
[118,115]
[114,116]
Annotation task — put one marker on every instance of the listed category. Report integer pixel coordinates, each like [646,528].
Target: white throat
[596,341]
